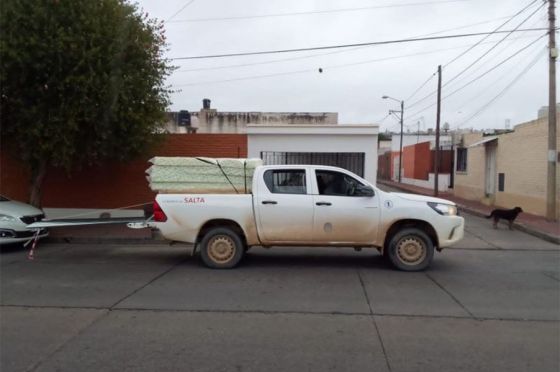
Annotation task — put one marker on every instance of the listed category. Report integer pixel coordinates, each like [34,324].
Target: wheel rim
[411,251]
[221,249]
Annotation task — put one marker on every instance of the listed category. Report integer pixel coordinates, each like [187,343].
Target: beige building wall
[470,184]
[522,157]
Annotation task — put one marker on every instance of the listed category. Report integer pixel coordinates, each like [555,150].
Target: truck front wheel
[221,248]
[410,249]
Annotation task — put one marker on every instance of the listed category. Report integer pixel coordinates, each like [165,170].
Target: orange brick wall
[114,185]
[384,166]
[424,162]
[418,161]
[408,161]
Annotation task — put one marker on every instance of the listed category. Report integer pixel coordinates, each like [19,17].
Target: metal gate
[352,161]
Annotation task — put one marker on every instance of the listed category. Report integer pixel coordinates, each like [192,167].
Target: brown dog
[505,214]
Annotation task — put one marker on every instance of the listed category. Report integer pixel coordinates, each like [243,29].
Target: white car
[14,218]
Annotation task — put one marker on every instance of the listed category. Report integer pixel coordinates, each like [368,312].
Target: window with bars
[461,159]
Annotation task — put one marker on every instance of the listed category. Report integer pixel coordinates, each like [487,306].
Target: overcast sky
[354,79]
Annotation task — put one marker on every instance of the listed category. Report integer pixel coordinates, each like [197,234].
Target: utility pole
[436,157]
[401,120]
[551,169]
[400,151]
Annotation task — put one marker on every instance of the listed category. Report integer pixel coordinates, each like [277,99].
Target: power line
[509,18]
[328,53]
[315,12]
[484,38]
[325,68]
[493,47]
[385,42]
[504,90]
[421,86]
[483,74]
[470,25]
[494,83]
[485,89]
[264,62]
[497,53]
[382,120]
[483,55]
[180,10]
[245,78]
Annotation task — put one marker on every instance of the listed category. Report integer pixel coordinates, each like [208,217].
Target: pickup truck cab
[308,205]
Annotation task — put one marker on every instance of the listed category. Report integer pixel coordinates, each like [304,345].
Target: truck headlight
[444,209]
[6,218]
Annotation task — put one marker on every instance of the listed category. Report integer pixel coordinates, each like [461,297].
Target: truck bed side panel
[186,214]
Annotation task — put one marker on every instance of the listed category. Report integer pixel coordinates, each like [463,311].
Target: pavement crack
[37,364]
[373,320]
[364,290]
[482,238]
[551,276]
[147,283]
[283,312]
[451,295]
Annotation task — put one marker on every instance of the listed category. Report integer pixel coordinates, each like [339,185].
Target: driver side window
[335,183]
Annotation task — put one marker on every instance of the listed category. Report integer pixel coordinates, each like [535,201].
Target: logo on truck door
[194,200]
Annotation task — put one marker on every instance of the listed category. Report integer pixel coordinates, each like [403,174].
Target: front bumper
[453,232]
[8,236]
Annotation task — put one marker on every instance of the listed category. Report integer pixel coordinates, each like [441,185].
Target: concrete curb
[516,225]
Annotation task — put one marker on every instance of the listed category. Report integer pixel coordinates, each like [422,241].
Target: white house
[353,147]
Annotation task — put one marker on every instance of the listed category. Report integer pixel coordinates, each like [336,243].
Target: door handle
[269,202]
[323,203]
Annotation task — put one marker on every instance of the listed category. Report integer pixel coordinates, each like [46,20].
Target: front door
[490,170]
[340,215]
[284,207]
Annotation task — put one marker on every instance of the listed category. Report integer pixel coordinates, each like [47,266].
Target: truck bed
[206,207]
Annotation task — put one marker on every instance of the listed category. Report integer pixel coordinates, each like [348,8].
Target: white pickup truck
[306,205]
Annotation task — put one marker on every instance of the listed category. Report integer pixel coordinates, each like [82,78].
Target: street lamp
[401,141]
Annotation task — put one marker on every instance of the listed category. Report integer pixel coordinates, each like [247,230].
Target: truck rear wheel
[410,249]
[221,248]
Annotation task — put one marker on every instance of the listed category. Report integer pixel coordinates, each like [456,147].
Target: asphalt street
[491,303]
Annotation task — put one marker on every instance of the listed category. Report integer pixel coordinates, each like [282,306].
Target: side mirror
[362,190]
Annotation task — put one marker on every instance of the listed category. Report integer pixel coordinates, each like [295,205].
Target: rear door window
[285,181]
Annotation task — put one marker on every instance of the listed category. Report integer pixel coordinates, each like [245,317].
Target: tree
[82,82]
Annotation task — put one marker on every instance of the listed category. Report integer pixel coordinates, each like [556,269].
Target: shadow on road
[284,259]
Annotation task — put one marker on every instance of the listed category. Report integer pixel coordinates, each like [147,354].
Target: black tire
[221,248]
[410,249]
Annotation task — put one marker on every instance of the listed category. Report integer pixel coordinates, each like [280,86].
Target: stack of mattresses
[201,175]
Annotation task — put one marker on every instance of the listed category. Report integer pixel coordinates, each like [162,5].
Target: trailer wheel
[410,249]
[221,248]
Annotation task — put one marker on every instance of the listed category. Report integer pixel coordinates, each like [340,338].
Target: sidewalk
[529,223]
